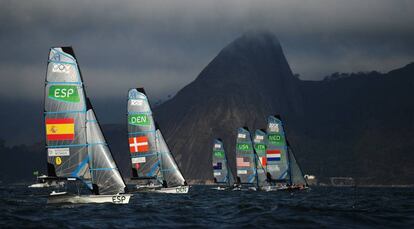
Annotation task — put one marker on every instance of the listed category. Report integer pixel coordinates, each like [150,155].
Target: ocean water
[325,207]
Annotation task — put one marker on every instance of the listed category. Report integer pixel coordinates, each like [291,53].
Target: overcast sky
[163,45]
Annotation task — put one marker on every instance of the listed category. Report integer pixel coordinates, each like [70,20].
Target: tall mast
[255,162]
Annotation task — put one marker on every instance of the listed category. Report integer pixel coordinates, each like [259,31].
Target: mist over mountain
[358,124]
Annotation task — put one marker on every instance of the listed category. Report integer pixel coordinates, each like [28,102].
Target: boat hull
[39,185]
[281,188]
[171,190]
[244,189]
[219,188]
[88,199]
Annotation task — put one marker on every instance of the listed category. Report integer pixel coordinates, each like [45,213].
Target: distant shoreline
[211,183]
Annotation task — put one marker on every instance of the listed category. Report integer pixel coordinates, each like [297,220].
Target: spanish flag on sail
[60,129]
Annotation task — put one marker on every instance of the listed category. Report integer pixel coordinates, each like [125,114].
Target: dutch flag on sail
[273,155]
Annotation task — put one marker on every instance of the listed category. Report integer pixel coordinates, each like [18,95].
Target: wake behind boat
[77,152]
[154,168]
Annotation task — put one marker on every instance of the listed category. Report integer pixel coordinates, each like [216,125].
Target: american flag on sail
[243,162]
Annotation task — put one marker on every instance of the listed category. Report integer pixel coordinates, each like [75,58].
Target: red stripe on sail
[276,151]
[56,137]
[59,121]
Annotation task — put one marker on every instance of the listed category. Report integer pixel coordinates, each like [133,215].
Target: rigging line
[102,169]
[169,170]
[245,169]
[140,112]
[260,164]
[143,154]
[132,98]
[64,82]
[142,132]
[74,173]
[61,62]
[65,112]
[152,170]
[283,174]
[76,145]
[244,142]
[251,178]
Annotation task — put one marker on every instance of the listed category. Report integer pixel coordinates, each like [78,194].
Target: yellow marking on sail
[58,160]
[60,128]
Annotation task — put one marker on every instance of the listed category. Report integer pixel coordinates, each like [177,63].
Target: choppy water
[203,207]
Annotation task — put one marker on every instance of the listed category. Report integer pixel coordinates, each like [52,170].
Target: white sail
[169,168]
[245,158]
[276,152]
[105,174]
[150,155]
[75,145]
[259,142]
[297,176]
[65,117]
[282,168]
[221,169]
[142,136]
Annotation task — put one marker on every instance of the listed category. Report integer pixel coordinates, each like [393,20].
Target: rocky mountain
[355,125]
[248,80]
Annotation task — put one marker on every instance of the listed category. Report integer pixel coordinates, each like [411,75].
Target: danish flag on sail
[138,144]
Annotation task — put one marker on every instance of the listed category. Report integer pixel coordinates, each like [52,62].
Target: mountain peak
[254,55]
[255,42]
[257,39]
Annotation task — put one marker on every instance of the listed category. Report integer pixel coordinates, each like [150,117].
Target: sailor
[268,177]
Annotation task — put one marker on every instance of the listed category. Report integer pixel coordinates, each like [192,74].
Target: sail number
[181,189]
[276,139]
[139,119]
[118,199]
[243,146]
[66,93]
[260,147]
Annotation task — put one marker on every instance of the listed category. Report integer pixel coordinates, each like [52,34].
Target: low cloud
[163,45]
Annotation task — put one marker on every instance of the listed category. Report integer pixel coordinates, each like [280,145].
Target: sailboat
[44,181]
[259,143]
[77,152]
[153,165]
[282,169]
[245,161]
[221,169]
